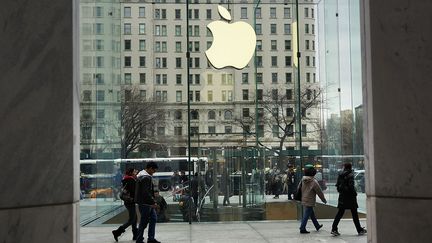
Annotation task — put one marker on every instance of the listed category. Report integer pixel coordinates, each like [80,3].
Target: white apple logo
[233,44]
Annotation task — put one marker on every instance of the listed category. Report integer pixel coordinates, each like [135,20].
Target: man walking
[144,197]
[347,200]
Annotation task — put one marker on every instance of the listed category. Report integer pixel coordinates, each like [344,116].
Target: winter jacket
[129,183]
[347,193]
[144,193]
[310,188]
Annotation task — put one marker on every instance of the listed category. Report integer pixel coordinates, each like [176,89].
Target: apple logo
[233,44]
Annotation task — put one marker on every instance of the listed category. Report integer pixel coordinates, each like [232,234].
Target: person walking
[128,183]
[310,188]
[144,197]
[347,200]
[291,181]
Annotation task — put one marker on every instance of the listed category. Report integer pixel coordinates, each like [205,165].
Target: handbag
[125,195]
[298,193]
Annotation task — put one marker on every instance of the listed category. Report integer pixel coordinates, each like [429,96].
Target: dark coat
[347,193]
[144,193]
[129,183]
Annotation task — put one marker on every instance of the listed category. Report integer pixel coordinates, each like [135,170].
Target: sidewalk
[233,232]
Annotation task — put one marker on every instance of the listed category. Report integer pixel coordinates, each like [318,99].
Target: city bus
[167,166]
[98,178]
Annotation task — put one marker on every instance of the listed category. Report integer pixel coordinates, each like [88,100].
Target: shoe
[304,232]
[153,241]
[362,231]
[319,227]
[115,234]
[335,233]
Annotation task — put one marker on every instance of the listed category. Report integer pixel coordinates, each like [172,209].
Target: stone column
[397,38]
[39,122]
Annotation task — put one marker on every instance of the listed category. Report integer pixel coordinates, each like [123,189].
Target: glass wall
[187,86]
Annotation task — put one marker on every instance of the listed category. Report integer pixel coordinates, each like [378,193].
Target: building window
[258,29]
[272,13]
[178,96]
[288,61]
[211,129]
[289,94]
[197,96]
[260,131]
[127,78]
[245,78]
[306,12]
[143,94]
[288,77]
[142,77]
[274,93]
[178,62]
[177,131]
[228,129]
[274,78]
[178,30]
[178,14]
[258,13]
[245,94]
[259,94]
[141,29]
[209,14]
[142,61]
[142,12]
[273,29]
[178,114]
[287,29]
[273,45]
[287,44]
[287,13]
[127,45]
[259,61]
[259,45]
[275,131]
[274,61]
[209,95]
[306,28]
[243,13]
[142,45]
[290,112]
[127,62]
[194,115]
[178,79]
[245,112]
[100,113]
[259,78]
[304,130]
[127,12]
[308,76]
[211,115]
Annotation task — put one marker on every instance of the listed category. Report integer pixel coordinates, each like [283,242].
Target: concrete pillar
[397,38]
[39,122]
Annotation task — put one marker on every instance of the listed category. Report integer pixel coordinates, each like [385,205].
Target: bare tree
[277,115]
[140,118]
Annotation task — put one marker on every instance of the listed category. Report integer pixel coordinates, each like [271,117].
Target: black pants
[132,218]
[340,214]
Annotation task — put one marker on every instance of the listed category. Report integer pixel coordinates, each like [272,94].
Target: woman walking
[310,188]
[128,183]
[347,200]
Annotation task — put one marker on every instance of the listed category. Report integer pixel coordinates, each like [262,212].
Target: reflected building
[141,46]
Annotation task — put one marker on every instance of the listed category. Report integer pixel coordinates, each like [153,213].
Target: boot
[116,233]
[134,234]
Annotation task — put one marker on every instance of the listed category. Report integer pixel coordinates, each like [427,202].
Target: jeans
[308,212]
[148,216]
[132,219]
[340,214]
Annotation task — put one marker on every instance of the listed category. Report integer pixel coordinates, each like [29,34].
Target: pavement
[283,231]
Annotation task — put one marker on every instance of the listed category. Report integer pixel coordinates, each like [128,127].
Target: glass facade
[149,93]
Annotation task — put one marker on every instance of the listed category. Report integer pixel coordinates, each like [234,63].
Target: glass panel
[150,94]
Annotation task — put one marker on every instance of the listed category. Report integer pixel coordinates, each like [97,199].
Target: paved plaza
[285,231]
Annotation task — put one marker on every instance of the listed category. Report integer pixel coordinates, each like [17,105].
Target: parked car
[359,180]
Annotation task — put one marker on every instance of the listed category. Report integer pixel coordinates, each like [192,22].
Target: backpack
[125,195]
